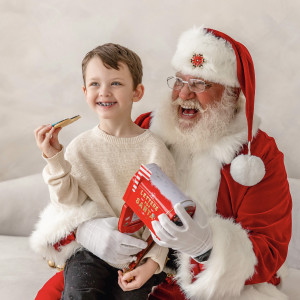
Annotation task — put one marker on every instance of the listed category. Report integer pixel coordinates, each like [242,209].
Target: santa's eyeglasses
[195,85]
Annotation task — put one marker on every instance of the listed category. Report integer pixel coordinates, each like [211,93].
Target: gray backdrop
[43,43]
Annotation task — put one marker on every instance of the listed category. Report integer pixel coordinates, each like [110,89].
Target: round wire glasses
[195,85]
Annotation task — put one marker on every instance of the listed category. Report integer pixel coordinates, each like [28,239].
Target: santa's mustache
[191,104]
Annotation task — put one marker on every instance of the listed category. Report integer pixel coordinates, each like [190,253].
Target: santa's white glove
[102,238]
[194,237]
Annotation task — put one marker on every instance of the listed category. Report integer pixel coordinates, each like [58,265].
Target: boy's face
[110,92]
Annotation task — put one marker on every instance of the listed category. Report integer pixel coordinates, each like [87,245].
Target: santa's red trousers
[55,285]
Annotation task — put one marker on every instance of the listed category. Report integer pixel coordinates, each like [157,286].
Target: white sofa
[23,273]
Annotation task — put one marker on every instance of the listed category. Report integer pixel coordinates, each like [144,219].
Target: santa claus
[237,241]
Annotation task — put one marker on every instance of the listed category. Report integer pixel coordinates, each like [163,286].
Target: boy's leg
[86,277]
[138,294]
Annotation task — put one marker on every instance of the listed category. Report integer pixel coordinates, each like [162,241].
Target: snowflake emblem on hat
[197,60]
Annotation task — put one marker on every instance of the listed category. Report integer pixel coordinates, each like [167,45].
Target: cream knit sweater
[98,167]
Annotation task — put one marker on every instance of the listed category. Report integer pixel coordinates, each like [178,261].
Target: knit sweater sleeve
[63,184]
[157,254]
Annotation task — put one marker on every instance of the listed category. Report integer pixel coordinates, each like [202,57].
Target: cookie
[65,122]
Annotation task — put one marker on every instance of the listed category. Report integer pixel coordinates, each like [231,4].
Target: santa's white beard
[202,132]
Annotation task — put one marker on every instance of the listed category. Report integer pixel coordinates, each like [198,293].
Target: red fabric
[167,291]
[264,210]
[71,237]
[144,120]
[245,74]
[52,289]
[196,268]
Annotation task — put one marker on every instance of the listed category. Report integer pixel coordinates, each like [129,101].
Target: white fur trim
[247,169]
[220,60]
[56,223]
[231,263]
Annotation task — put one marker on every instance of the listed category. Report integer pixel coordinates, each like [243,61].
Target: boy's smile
[105,106]
[106,103]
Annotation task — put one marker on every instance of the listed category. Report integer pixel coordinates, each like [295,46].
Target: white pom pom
[247,170]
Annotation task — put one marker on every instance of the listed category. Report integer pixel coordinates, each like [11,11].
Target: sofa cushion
[293,258]
[22,272]
[21,201]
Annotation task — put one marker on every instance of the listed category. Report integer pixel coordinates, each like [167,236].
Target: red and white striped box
[151,193]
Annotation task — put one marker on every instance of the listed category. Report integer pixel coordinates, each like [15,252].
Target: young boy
[98,165]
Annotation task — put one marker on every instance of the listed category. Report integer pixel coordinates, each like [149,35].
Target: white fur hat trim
[219,58]
[247,169]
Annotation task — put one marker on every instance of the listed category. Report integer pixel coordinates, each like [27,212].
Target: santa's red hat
[214,56]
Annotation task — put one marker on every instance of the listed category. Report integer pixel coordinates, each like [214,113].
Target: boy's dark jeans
[88,277]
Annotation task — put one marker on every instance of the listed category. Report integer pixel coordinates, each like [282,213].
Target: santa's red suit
[249,214]
[251,225]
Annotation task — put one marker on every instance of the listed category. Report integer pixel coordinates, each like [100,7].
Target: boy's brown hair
[111,55]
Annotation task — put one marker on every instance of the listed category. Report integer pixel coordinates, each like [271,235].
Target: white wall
[43,42]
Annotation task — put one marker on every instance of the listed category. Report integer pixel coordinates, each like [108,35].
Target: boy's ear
[138,93]
[84,90]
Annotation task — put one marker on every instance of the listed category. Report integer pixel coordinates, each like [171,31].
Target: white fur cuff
[231,263]
[55,224]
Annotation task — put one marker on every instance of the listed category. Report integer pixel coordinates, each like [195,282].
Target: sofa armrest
[21,201]
[293,258]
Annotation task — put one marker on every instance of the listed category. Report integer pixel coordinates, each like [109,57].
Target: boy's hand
[46,138]
[136,278]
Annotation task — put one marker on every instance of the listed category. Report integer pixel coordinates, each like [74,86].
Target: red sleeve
[265,212]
